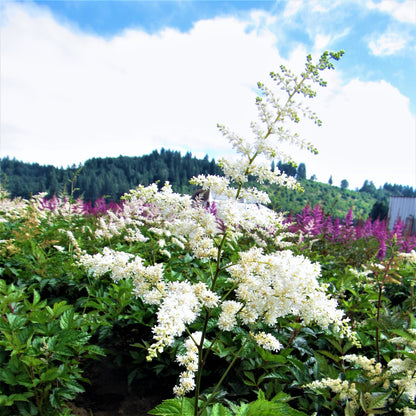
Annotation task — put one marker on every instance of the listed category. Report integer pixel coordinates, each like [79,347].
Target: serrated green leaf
[13,398]
[219,410]
[174,407]
[74,387]
[36,297]
[281,397]
[242,411]
[269,356]
[66,319]
[27,409]
[8,377]
[95,350]
[250,376]
[265,408]
[60,307]
[16,322]
[378,401]
[52,373]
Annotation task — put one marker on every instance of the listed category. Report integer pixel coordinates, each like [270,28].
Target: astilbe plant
[223,271]
[316,227]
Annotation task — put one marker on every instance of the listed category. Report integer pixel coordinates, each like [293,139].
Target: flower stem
[230,366]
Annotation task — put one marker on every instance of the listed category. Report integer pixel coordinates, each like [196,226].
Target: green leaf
[27,409]
[10,400]
[330,355]
[281,397]
[60,307]
[74,387]
[174,407]
[219,410]
[66,319]
[8,377]
[52,373]
[36,297]
[266,408]
[378,401]
[269,356]
[349,411]
[250,377]
[242,411]
[411,355]
[16,321]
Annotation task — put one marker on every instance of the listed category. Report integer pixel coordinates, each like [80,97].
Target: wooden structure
[403,208]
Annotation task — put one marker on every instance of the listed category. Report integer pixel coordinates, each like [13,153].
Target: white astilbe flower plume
[372,370]
[279,284]
[405,371]
[190,361]
[346,390]
[267,341]
[181,305]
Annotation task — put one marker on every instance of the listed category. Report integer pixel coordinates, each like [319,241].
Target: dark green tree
[379,210]
[301,172]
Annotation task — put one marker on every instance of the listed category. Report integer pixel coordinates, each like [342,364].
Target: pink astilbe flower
[314,223]
[348,229]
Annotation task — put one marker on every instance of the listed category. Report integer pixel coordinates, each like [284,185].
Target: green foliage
[259,407]
[40,350]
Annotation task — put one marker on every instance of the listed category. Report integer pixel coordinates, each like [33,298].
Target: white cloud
[67,96]
[321,42]
[368,133]
[387,44]
[292,7]
[403,11]
[77,96]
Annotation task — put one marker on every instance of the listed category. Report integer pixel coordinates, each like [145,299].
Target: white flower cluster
[74,242]
[239,171]
[345,389]
[407,411]
[190,361]
[408,342]
[262,224]
[267,341]
[11,209]
[406,369]
[147,280]
[181,304]
[373,370]
[218,185]
[228,316]
[279,284]
[410,257]
[129,219]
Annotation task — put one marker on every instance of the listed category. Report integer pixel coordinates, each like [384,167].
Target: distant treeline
[111,177]
[108,177]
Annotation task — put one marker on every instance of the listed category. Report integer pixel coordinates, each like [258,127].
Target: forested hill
[111,177]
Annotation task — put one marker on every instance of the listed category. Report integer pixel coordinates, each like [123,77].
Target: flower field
[243,310]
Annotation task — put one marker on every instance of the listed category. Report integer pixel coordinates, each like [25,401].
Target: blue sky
[83,79]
